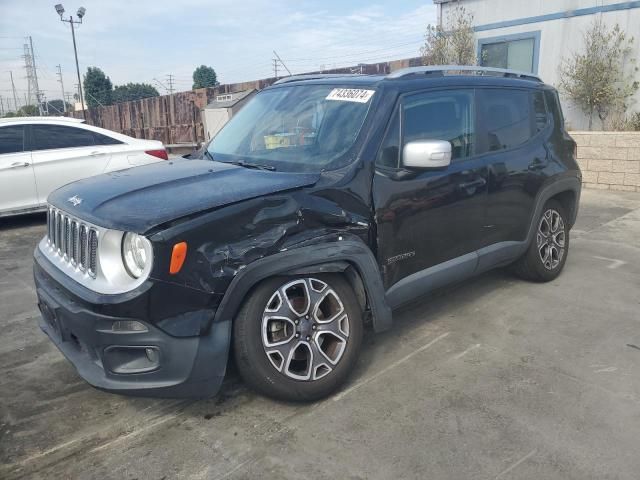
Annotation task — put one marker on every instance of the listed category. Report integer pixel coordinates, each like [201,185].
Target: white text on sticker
[350,95]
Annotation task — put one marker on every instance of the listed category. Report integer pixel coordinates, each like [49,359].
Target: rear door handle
[20,164]
[96,153]
[538,164]
[479,182]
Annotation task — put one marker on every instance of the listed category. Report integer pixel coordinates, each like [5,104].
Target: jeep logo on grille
[75,200]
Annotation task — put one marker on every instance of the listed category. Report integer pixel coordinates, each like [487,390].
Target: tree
[451,44]
[204,76]
[133,91]
[58,107]
[98,89]
[596,80]
[28,111]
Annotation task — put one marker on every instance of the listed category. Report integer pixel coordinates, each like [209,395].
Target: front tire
[298,338]
[549,248]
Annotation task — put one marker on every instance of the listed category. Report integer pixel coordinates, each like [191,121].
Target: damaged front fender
[233,248]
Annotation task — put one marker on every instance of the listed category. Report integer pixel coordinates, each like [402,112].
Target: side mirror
[426,154]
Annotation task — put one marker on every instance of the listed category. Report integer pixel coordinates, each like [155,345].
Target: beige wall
[609,160]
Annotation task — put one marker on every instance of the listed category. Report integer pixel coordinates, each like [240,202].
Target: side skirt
[451,271]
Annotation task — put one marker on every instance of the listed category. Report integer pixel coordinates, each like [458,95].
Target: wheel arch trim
[333,256]
[559,186]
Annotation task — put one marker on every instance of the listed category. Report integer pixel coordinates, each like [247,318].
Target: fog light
[128,326]
[152,355]
[130,359]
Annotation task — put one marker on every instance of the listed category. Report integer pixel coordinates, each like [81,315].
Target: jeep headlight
[136,253]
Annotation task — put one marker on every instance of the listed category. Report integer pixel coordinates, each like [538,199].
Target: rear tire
[298,338]
[549,248]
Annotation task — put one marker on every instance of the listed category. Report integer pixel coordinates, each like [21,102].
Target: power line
[170,82]
[281,62]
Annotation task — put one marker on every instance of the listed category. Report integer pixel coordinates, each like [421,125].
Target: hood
[141,198]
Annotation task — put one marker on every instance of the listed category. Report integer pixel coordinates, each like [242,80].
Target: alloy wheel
[305,329]
[550,239]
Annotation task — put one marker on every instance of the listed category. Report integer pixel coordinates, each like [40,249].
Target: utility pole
[35,75]
[81,12]
[275,68]
[28,69]
[15,97]
[64,104]
[45,105]
[280,60]
[1,106]
[170,82]
[33,90]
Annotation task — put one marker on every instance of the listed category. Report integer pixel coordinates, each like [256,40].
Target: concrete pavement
[496,378]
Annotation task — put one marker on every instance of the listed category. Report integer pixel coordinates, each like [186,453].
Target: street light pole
[72,22]
[75,51]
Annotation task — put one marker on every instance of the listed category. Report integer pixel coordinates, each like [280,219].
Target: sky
[145,40]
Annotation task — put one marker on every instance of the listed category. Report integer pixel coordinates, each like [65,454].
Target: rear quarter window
[553,104]
[105,139]
[540,111]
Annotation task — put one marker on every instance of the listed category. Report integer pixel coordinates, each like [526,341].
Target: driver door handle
[96,153]
[20,164]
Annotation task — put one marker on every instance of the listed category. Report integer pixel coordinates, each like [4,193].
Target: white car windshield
[295,128]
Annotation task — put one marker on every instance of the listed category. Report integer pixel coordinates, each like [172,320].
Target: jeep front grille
[75,241]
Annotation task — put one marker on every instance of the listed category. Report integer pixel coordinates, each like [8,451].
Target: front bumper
[148,363]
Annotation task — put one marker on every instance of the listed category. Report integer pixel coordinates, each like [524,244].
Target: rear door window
[506,120]
[49,137]
[11,139]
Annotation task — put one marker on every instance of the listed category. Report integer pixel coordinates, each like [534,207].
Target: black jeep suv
[325,203]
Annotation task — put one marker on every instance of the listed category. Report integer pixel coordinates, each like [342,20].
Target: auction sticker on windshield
[350,95]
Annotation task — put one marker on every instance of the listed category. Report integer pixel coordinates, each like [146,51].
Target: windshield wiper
[208,154]
[257,166]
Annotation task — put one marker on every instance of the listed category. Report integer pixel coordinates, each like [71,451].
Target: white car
[40,154]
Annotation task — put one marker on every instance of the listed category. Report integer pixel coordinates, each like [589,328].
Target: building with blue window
[535,35]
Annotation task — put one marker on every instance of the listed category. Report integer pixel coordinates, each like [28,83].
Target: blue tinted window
[11,139]
[506,118]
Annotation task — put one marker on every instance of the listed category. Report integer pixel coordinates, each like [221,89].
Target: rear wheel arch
[569,201]
[566,190]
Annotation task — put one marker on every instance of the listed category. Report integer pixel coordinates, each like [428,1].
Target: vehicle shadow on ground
[407,327]
[23,221]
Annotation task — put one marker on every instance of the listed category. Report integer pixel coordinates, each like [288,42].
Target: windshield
[297,128]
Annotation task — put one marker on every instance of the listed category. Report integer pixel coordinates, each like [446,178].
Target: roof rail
[314,76]
[442,69]
[39,119]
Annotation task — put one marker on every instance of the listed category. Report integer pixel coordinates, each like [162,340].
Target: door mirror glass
[426,154]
